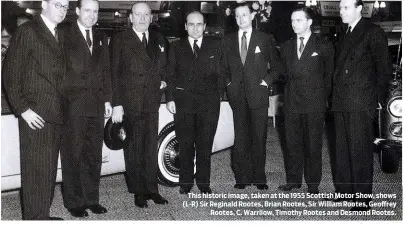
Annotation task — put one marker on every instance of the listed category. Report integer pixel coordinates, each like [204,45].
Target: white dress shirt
[306,38]
[140,35]
[248,35]
[83,30]
[191,41]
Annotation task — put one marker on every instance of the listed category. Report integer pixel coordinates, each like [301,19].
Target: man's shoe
[262,186]
[97,209]
[158,199]
[239,186]
[54,218]
[140,201]
[184,190]
[289,187]
[360,208]
[206,190]
[78,212]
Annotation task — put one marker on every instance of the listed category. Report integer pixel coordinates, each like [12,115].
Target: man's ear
[77,11]
[310,22]
[360,7]
[44,5]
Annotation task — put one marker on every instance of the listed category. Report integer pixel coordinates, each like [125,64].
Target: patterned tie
[88,40]
[144,41]
[243,49]
[56,35]
[196,49]
[301,45]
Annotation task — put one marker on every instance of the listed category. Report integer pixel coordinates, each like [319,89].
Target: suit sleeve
[117,90]
[381,61]
[224,55]
[106,71]
[170,68]
[13,74]
[329,66]
[283,74]
[274,61]
[221,71]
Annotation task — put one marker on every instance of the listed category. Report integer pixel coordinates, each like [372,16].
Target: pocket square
[211,57]
[179,88]
[162,49]
[257,50]
[314,54]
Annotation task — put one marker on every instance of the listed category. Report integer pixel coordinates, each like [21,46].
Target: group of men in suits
[66,76]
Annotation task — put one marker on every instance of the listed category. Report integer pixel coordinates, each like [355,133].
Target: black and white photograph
[201,110]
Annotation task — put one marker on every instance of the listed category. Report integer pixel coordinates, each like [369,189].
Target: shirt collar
[353,25]
[51,26]
[140,34]
[306,36]
[249,32]
[191,41]
[83,30]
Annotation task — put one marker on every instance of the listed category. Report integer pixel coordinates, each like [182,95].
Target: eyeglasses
[58,5]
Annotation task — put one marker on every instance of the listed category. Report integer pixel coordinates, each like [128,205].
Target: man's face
[195,25]
[141,17]
[349,12]
[243,17]
[88,13]
[55,10]
[300,23]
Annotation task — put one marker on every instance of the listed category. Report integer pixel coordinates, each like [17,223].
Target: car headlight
[396,129]
[395,107]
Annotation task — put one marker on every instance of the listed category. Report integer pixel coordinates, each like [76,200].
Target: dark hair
[244,4]
[195,12]
[358,3]
[309,13]
[79,3]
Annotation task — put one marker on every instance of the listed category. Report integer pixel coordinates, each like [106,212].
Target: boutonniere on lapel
[162,48]
[257,50]
[314,54]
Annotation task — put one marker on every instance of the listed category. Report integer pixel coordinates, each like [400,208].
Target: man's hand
[264,83]
[118,113]
[33,119]
[171,107]
[107,109]
[163,85]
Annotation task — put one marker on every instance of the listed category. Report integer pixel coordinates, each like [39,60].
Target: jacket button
[100,89]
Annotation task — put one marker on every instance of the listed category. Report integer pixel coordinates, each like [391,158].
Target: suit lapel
[235,50]
[78,36]
[252,47]
[308,48]
[46,34]
[138,46]
[97,42]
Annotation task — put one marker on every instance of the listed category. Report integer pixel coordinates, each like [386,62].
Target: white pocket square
[257,50]
[179,88]
[314,54]
[211,57]
[162,49]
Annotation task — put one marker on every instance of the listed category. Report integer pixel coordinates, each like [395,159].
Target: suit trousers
[39,151]
[195,133]
[248,158]
[141,153]
[81,158]
[354,152]
[304,147]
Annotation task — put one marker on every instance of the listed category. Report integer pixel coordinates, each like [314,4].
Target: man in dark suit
[34,69]
[195,86]
[309,62]
[138,70]
[248,54]
[359,83]
[87,88]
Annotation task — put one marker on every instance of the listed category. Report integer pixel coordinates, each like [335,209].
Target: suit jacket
[88,83]
[362,70]
[137,72]
[309,79]
[195,85]
[261,55]
[33,71]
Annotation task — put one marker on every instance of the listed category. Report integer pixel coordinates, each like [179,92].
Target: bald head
[141,16]
[195,25]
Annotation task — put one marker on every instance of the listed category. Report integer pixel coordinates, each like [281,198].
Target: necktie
[243,49]
[195,48]
[349,30]
[301,45]
[56,35]
[144,41]
[88,40]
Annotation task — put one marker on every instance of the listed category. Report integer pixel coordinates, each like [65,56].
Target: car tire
[168,156]
[389,159]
